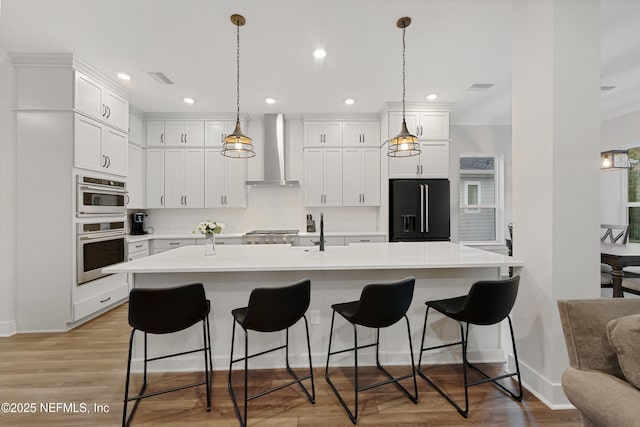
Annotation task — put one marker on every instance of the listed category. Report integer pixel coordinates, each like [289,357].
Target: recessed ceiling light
[188,100]
[349,101]
[124,76]
[319,53]
[270,100]
[432,96]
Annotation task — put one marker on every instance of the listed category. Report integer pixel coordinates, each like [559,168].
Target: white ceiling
[451,44]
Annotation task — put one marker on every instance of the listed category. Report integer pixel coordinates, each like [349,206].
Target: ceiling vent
[479,87]
[160,78]
[606,88]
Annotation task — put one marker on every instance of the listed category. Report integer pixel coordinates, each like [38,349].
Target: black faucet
[321,232]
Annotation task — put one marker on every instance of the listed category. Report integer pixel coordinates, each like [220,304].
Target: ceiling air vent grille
[606,88]
[160,77]
[479,87]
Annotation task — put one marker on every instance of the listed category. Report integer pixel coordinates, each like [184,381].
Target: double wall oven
[101,234]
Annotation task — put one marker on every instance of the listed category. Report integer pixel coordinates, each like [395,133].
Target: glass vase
[210,245]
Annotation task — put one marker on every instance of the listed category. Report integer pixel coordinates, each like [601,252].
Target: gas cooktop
[270,236]
[270,232]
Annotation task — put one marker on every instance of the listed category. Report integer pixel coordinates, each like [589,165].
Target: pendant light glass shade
[237,145]
[403,144]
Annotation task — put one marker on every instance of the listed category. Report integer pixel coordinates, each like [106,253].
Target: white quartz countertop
[140,238]
[357,256]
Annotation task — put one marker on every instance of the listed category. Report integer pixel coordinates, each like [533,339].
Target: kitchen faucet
[321,232]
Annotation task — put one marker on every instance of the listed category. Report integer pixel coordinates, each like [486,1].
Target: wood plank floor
[88,365]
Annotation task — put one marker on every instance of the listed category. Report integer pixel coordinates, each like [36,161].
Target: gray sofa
[603,342]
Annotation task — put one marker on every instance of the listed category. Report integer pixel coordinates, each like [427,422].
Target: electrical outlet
[315,317]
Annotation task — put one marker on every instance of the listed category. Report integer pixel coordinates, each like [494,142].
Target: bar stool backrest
[382,305]
[162,311]
[276,309]
[489,301]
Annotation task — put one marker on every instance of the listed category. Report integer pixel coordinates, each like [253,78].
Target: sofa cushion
[624,336]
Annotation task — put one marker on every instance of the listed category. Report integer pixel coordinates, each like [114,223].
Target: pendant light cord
[238,72]
[403,72]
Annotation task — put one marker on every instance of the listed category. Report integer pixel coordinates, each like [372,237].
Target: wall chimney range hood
[275,158]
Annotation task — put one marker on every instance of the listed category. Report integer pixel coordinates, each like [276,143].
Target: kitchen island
[441,269]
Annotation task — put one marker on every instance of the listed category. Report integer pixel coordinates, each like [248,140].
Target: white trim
[7,328]
[549,393]
[472,208]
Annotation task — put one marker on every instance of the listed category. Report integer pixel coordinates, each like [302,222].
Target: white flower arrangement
[210,227]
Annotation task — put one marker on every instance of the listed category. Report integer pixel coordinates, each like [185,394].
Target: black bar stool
[488,302]
[163,311]
[380,306]
[272,310]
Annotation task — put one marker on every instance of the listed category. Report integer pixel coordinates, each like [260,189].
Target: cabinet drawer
[222,241]
[138,246]
[137,255]
[100,300]
[363,239]
[165,244]
[328,241]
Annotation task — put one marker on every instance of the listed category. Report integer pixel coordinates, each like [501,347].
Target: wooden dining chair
[612,234]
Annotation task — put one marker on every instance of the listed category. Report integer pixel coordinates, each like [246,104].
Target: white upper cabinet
[427,126]
[155,178]
[189,133]
[155,133]
[322,133]
[100,102]
[135,177]
[184,178]
[433,162]
[215,131]
[135,131]
[99,147]
[224,181]
[361,134]
[361,177]
[323,177]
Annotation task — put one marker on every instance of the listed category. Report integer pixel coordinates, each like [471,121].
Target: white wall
[479,139]
[7,195]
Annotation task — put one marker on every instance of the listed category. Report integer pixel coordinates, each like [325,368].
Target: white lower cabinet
[315,240]
[222,241]
[99,147]
[363,239]
[361,177]
[162,245]
[98,294]
[184,178]
[137,250]
[224,181]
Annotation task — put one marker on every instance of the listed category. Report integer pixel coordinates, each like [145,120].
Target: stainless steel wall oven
[100,244]
[97,196]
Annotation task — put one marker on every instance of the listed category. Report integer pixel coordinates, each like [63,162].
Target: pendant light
[614,160]
[237,145]
[403,144]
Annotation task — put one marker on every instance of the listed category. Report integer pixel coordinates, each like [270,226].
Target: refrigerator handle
[426,208]
[422,208]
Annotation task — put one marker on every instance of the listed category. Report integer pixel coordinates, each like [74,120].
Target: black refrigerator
[419,210]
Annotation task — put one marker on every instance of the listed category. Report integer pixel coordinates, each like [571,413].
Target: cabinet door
[174,178]
[114,148]
[173,133]
[333,134]
[371,177]
[333,177]
[155,178]
[313,133]
[352,176]
[135,177]
[352,133]
[194,133]
[313,177]
[235,171]
[117,113]
[135,130]
[395,123]
[194,178]
[404,167]
[213,133]
[371,134]
[88,144]
[88,96]
[155,133]
[434,159]
[214,178]
[434,126]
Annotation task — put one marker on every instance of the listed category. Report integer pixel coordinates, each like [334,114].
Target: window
[481,198]
[633,195]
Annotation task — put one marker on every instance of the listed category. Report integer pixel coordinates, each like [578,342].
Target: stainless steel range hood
[275,158]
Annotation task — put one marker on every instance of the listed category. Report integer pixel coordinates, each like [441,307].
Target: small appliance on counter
[311,224]
[137,223]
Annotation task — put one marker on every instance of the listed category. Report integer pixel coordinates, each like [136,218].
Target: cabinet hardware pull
[128,198]
[162,137]
[105,300]
[109,112]
[185,138]
[108,161]
[185,199]
[364,240]
[362,197]
[139,246]
[182,200]
[104,160]
[174,243]
[222,200]
[104,110]
[162,200]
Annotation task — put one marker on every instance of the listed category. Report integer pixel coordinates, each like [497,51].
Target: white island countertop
[357,256]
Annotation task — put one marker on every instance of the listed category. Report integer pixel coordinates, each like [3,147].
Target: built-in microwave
[97,196]
[100,244]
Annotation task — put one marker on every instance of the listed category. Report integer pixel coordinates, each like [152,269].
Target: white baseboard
[549,393]
[7,328]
